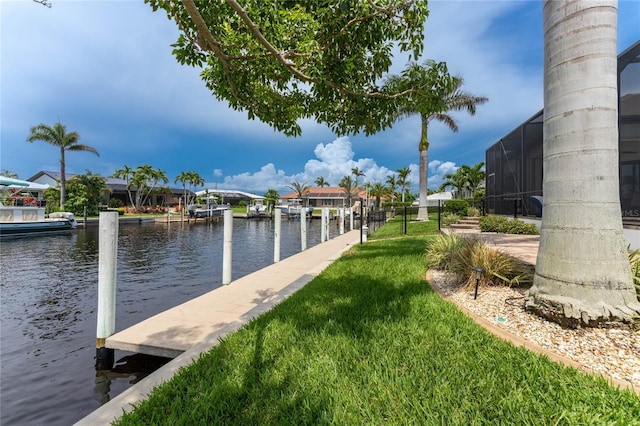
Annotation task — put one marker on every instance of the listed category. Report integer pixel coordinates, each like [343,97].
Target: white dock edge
[322,256]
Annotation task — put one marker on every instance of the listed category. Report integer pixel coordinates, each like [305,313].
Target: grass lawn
[369,342]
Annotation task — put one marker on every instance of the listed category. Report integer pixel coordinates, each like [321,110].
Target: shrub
[505,225]
[114,203]
[458,207]
[634,261]
[450,218]
[460,255]
[473,212]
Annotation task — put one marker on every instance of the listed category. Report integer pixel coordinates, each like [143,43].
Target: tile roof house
[117,187]
[331,197]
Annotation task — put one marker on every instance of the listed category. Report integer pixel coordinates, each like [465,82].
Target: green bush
[114,203]
[449,218]
[473,212]
[634,261]
[458,207]
[505,225]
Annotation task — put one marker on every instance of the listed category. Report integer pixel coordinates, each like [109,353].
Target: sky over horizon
[105,69]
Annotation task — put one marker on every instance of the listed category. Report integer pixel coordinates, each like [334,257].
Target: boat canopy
[11,183]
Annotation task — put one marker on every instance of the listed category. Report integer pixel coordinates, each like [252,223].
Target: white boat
[22,210]
[294,209]
[258,209]
[210,210]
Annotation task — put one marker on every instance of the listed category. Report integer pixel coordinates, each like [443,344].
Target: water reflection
[49,295]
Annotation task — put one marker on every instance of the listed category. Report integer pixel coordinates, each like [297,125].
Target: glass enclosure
[514,163]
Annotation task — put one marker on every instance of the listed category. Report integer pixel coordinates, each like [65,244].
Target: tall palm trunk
[423,213]
[63,179]
[582,271]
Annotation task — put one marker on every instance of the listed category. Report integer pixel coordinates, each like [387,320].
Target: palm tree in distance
[428,110]
[393,187]
[183,178]
[357,173]
[349,188]
[474,176]
[300,189]
[57,135]
[403,179]
[321,182]
[457,181]
[126,173]
[378,190]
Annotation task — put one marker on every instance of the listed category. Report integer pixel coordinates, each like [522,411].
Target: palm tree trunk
[423,213]
[63,179]
[582,271]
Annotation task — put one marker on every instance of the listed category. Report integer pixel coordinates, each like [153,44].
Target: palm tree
[321,182]
[183,178]
[57,135]
[457,181]
[582,270]
[378,190]
[357,173]
[349,188]
[126,173]
[474,176]
[9,174]
[195,180]
[403,179]
[428,110]
[271,197]
[300,189]
[393,187]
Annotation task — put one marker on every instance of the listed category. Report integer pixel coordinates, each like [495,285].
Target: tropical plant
[57,136]
[271,197]
[301,189]
[378,190]
[582,271]
[195,180]
[431,108]
[474,175]
[460,255]
[183,177]
[457,181]
[283,61]
[392,184]
[349,188]
[321,182]
[403,180]
[9,174]
[356,172]
[126,174]
[85,190]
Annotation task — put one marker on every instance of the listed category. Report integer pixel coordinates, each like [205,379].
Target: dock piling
[107,271]
[227,246]
[277,224]
[303,230]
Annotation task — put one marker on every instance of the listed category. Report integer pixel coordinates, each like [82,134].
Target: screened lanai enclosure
[514,166]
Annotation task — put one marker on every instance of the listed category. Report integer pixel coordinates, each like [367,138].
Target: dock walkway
[226,308]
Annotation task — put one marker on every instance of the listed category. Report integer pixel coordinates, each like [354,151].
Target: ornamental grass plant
[460,255]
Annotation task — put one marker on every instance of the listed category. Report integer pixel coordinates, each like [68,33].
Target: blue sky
[105,70]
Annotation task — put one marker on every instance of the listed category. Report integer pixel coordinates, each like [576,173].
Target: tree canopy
[281,61]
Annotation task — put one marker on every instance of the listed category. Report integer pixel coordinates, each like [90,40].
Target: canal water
[48,291]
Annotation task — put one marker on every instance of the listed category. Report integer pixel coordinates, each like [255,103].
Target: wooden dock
[227,308]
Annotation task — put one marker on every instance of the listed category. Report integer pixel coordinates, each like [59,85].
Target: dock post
[277,225]
[107,270]
[227,246]
[342,221]
[326,223]
[323,225]
[303,230]
[351,218]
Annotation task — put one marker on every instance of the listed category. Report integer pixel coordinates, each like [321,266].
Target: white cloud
[333,161]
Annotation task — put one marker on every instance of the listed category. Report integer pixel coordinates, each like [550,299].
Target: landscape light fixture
[479,274]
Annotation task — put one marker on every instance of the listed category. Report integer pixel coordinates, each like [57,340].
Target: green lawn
[369,342]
